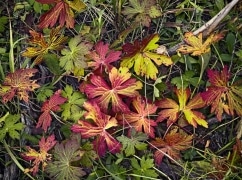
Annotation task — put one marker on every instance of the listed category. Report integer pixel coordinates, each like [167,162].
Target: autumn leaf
[172,111]
[121,85]
[139,118]
[221,96]
[195,45]
[41,156]
[18,83]
[74,56]
[101,57]
[62,166]
[98,128]
[41,45]
[171,144]
[141,55]
[142,11]
[62,11]
[51,105]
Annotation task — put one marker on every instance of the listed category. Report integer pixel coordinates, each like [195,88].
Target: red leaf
[18,83]
[140,118]
[40,156]
[122,85]
[171,144]
[222,96]
[61,11]
[101,123]
[102,57]
[53,104]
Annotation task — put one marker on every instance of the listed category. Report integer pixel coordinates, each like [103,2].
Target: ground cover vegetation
[120,89]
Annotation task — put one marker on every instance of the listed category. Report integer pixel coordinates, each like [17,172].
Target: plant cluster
[96,92]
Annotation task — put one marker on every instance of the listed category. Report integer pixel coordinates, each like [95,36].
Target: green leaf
[73,57]
[129,144]
[3,22]
[65,155]
[72,109]
[51,60]
[158,87]
[230,41]
[10,125]
[89,155]
[44,92]
[144,168]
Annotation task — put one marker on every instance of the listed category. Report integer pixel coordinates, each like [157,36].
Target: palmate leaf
[98,128]
[9,124]
[101,57]
[41,156]
[18,83]
[65,155]
[141,55]
[134,142]
[171,144]
[53,104]
[171,110]
[144,167]
[72,108]
[139,118]
[142,11]
[221,96]
[195,45]
[42,46]
[121,85]
[61,11]
[73,59]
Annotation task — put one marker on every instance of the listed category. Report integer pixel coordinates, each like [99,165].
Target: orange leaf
[172,110]
[171,144]
[42,46]
[195,45]
[40,156]
[18,83]
[140,118]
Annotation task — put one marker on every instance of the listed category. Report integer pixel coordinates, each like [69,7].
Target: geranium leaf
[102,57]
[62,11]
[134,142]
[18,83]
[41,156]
[74,56]
[10,124]
[139,119]
[140,55]
[53,104]
[195,45]
[221,96]
[121,85]
[42,46]
[98,128]
[142,11]
[72,108]
[171,144]
[172,110]
[65,154]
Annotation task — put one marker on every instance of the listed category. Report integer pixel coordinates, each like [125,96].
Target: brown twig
[208,27]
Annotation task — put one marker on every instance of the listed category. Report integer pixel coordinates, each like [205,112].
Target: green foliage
[185,80]
[73,59]
[89,155]
[72,109]
[3,22]
[143,168]
[10,124]
[134,142]
[44,92]
[65,155]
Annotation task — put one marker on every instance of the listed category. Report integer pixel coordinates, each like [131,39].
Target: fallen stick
[209,26]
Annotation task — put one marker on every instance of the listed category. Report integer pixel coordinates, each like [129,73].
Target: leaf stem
[15,160]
